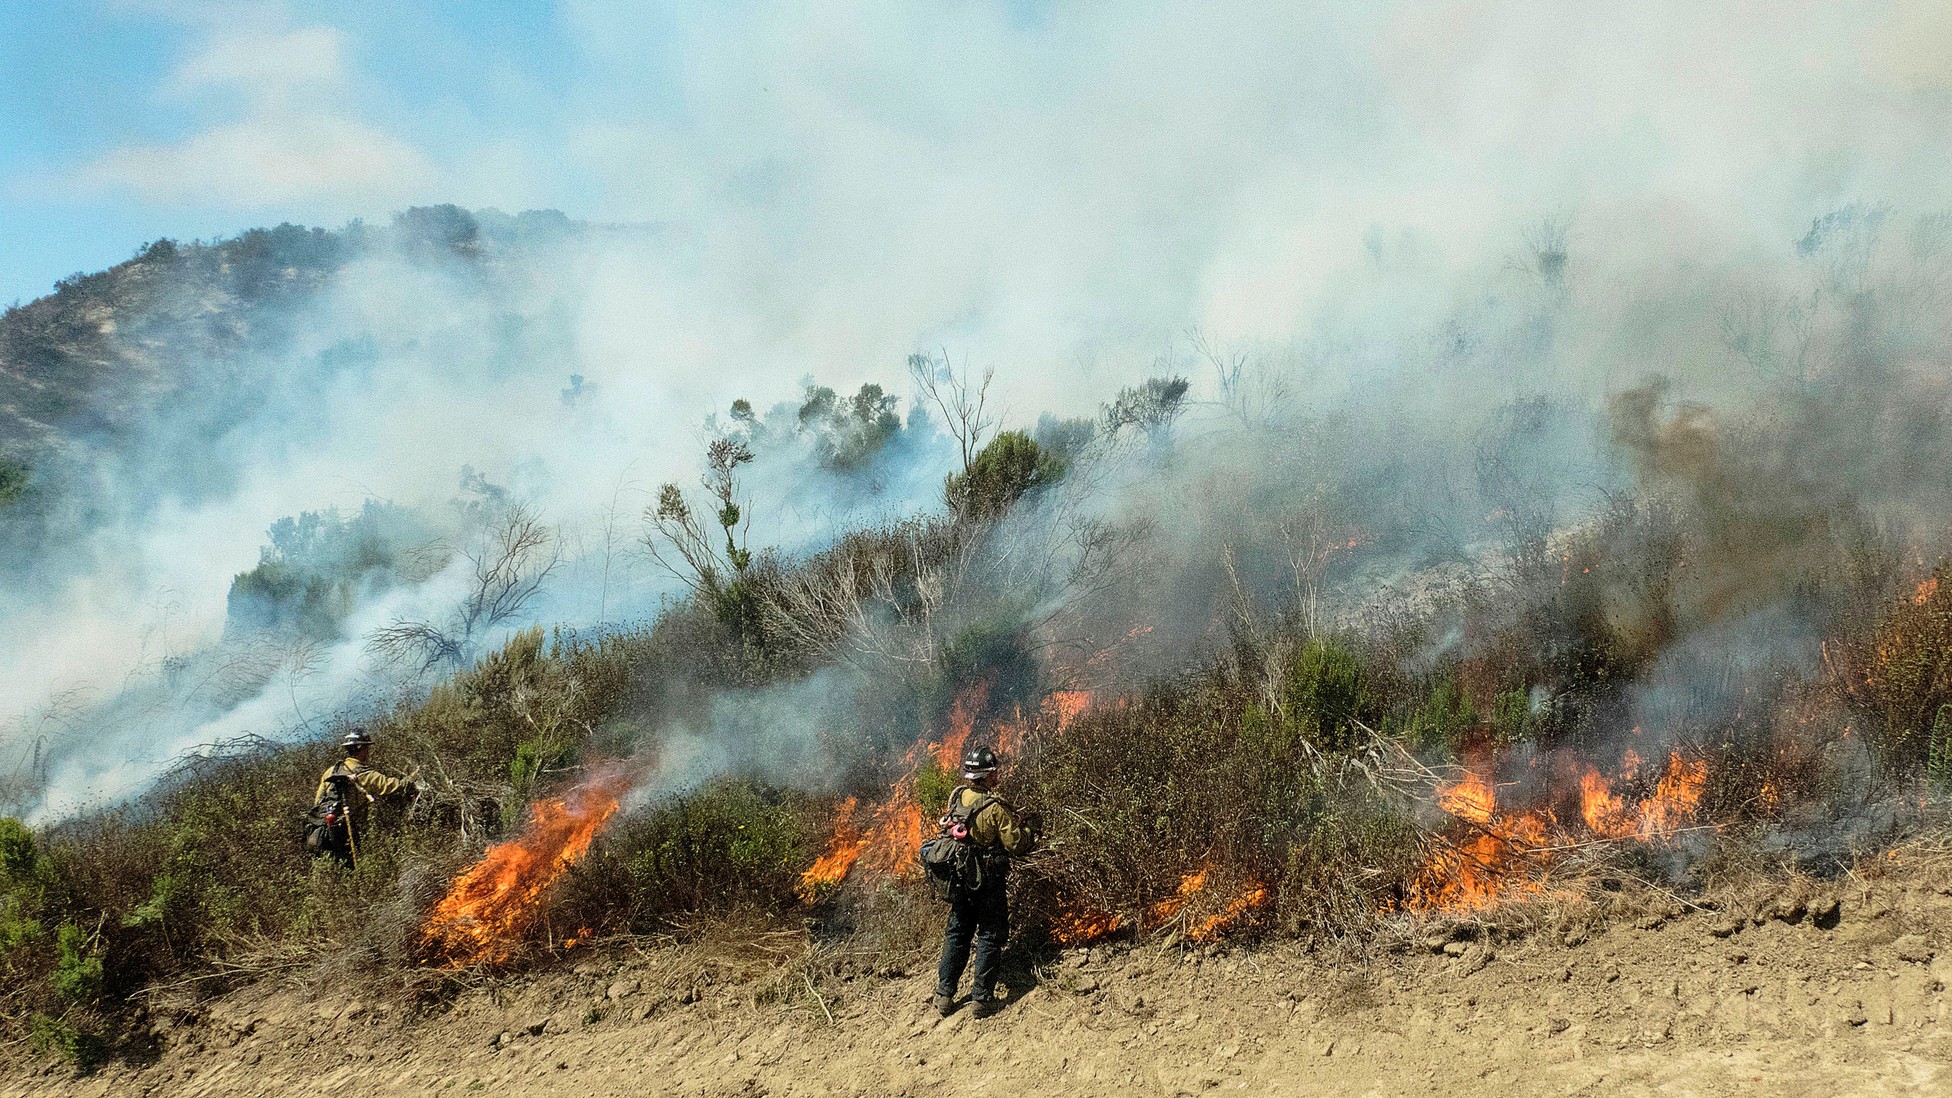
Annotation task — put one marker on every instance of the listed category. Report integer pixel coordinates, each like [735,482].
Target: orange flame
[962,722]
[1925,591]
[1240,905]
[1676,797]
[1507,854]
[841,853]
[1470,798]
[1213,926]
[1493,863]
[884,844]
[1062,707]
[491,906]
[1081,927]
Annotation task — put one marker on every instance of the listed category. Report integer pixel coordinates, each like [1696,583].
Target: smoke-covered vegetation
[1240,629]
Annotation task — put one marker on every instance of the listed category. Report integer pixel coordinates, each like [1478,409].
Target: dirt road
[1843,993]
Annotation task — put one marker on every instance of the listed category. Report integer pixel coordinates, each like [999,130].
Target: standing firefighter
[972,857]
[344,799]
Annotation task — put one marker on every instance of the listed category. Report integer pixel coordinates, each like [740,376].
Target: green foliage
[78,965]
[19,859]
[733,843]
[17,928]
[848,433]
[933,784]
[1512,719]
[534,757]
[317,567]
[1323,696]
[1002,472]
[1152,406]
[1938,762]
[1064,439]
[80,1048]
[1444,717]
[13,481]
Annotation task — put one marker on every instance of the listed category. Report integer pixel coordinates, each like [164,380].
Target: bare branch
[961,400]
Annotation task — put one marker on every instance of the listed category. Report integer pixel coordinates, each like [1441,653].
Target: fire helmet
[355,738]
[978,762]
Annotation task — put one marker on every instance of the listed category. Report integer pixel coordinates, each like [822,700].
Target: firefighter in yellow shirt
[982,917]
[345,796]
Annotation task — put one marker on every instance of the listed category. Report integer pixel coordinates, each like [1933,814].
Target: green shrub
[1512,720]
[1938,763]
[80,1048]
[731,844]
[19,858]
[1443,719]
[78,967]
[933,784]
[17,927]
[1322,697]
[1002,473]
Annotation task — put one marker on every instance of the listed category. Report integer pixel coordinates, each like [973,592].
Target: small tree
[682,544]
[962,401]
[1152,406]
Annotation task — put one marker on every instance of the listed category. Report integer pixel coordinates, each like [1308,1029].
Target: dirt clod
[1914,948]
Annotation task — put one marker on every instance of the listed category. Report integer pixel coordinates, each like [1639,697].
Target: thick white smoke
[1366,197]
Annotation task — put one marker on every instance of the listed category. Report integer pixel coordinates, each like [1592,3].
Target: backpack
[950,857]
[328,826]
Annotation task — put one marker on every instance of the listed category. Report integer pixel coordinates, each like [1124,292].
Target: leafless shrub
[509,559]
[962,400]
[1259,396]
[679,540]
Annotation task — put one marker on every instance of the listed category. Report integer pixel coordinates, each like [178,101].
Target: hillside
[1810,989]
[93,359]
[1279,676]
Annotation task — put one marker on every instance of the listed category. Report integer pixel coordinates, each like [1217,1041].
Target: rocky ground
[1800,989]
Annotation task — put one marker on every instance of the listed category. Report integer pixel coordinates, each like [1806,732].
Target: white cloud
[269,159]
[296,138]
[265,64]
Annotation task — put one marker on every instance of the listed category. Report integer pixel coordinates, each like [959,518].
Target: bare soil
[1797,989]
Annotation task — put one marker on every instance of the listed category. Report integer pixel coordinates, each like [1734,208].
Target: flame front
[1083,926]
[1506,854]
[1495,861]
[1192,892]
[491,906]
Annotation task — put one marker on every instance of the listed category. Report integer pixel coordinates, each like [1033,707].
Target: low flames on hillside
[879,839]
[492,906]
[1493,851]
[1500,840]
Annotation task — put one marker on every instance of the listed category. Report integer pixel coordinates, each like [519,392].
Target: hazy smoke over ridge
[1447,238]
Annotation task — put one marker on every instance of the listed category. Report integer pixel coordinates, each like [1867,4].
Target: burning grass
[1491,854]
[487,913]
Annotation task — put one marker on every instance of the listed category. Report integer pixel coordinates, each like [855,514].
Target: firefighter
[345,796]
[981,917]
